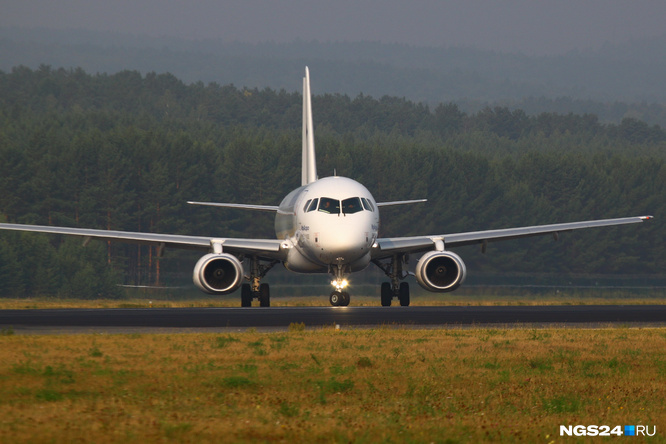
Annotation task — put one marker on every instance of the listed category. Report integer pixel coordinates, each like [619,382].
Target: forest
[613,82]
[126,151]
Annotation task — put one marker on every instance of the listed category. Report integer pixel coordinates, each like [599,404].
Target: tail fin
[309,165]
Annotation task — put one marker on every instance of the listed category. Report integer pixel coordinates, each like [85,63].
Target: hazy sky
[529,26]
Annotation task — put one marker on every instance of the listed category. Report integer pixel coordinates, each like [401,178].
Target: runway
[281,317]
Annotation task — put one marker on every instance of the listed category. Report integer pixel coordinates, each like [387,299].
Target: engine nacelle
[218,274]
[440,271]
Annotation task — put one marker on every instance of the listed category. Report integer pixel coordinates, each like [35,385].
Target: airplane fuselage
[330,222]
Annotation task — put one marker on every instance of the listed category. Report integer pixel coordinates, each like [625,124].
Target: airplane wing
[386,247]
[265,248]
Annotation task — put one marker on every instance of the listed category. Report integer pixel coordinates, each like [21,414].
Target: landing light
[339,284]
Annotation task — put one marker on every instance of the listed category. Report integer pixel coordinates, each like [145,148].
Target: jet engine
[440,271]
[218,274]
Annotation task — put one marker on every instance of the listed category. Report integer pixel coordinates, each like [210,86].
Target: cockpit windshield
[328,205]
[351,205]
[333,206]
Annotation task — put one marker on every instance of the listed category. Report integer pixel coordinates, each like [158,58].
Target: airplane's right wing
[386,247]
[265,248]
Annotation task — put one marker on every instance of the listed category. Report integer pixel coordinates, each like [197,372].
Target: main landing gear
[263,295]
[395,288]
[255,289]
[388,293]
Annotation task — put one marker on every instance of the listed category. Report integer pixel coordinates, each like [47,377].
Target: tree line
[613,82]
[126,151]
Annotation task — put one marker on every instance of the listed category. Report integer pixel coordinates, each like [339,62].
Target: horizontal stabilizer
[239,206]
[400,202]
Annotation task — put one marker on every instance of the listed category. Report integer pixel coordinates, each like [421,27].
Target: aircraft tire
[403,296]
[264,295]
[346,299]
[246,295]
[387,294]
[336,298]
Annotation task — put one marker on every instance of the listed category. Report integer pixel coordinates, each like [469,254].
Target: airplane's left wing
[386,247]
[266,248]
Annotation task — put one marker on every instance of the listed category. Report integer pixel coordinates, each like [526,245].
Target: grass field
[379,385]
[455,299]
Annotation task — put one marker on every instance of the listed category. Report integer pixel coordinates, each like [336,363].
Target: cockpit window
[305,207]
[313,205]
[367,204]
[328,205]
[351,205]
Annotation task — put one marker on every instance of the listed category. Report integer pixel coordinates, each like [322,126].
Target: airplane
[328,225]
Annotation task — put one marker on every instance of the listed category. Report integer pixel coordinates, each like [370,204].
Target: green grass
[327,385]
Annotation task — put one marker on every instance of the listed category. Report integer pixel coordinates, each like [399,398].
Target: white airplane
[328,225]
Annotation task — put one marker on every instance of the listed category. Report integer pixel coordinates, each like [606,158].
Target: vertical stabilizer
[309,164]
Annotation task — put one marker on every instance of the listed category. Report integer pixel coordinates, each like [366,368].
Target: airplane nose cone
[344,244]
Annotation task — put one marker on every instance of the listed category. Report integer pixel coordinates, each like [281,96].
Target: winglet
[309,164]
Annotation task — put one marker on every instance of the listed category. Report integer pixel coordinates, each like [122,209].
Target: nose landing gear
[339,298]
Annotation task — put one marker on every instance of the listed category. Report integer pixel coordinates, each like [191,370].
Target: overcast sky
[528,26]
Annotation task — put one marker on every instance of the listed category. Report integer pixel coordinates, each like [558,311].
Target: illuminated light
[339,284]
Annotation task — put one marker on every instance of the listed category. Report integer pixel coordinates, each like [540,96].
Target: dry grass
[322,301]
[380,385]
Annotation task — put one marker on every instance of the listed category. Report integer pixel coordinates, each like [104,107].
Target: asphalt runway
[118,320]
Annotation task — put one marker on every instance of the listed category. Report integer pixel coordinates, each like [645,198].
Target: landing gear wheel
[403,296]
[345,299]
[246,295]
[264,295]
[387,294]
[336,299]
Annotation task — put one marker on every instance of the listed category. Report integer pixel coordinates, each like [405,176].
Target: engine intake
[440,271]
[218,274]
